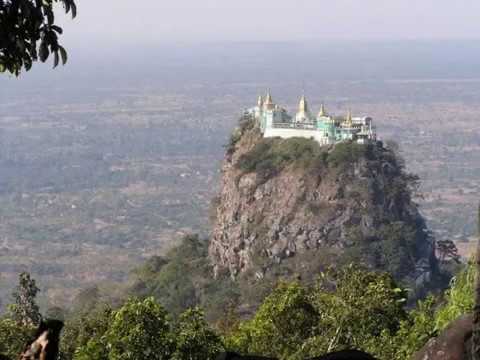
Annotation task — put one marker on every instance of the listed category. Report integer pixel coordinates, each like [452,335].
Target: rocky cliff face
[284,199]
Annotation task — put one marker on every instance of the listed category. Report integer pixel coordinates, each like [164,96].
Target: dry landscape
[93,183]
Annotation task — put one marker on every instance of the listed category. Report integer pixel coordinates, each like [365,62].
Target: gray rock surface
[302,210]
[451,344]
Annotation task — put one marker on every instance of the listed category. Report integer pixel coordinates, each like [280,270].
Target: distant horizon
[172,64]
[304,41]
[132,49]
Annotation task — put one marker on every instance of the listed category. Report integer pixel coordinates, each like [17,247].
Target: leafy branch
[28,33]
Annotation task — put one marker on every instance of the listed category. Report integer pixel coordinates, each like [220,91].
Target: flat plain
[93,182]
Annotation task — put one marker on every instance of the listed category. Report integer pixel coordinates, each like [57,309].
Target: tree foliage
[350,308]
[348,152]
[194,339]
[18,326]
[140,329]
[280,326]
[28,32]
[447,250]
[85,331]
[413,333]
[397,249]
[245,123]
[25,310]
[459,297]
[180,280]
[13,337]
[269,156]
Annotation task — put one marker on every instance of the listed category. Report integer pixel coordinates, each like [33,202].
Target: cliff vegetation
[293,208]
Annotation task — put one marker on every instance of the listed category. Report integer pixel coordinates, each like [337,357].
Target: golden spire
[260,101]
[268,102]
[268,99]
[349,120]
[322,112]
[303,105]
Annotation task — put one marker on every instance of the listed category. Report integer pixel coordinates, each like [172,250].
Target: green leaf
[67,6]
[63,54]
[28,65]
[58,29]
[56,59]
[43,51]
[74,10]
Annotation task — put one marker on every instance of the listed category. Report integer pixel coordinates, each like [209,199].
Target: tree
[140,330]
[447,250]
[413,333]
[281,325]
[13,337]
[28,33]
[95,349]
[348,308]
[396,249]
[459,298]
[175,280]
[195,340]
[25,310]
[85,332]
[356,307]
[86,300]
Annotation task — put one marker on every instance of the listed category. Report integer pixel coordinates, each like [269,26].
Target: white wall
[290,133]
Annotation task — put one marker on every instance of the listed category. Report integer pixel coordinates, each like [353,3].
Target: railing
[282,126]
[294,126]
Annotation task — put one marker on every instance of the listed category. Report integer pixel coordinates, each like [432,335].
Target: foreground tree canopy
[28,33]
[346,308]
[141,329]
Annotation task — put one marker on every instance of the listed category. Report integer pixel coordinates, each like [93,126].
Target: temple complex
[274,121]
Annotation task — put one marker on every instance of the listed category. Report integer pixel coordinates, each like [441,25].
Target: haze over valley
[111,159]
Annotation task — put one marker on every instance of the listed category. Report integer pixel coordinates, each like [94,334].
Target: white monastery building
[274,121]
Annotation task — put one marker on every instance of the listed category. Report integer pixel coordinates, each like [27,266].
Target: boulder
[451,344]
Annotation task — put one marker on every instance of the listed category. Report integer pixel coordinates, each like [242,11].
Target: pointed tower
[322,112]
[268,102]
[303,105]
[349,120]
[259,108]
[303,114]
[260,101]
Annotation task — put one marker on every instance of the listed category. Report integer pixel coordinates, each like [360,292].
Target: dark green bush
[347,153]
[245,124]
[271,155]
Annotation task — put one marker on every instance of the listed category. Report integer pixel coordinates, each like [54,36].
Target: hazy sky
[120,22]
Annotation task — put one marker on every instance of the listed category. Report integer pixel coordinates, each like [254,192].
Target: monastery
[274,121]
